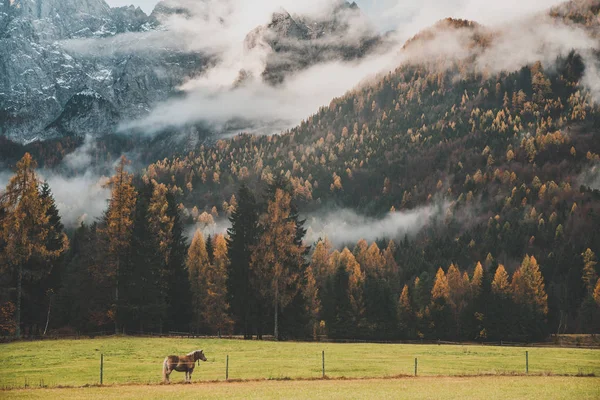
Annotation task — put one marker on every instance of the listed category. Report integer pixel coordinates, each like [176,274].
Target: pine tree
[337,309]
[118,228]
[176,275]
[241,239]
[41,293]
[144,297]
[25,227]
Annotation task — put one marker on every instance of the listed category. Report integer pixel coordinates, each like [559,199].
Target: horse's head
[199,355]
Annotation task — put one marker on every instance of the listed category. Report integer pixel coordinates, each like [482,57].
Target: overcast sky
[413,15]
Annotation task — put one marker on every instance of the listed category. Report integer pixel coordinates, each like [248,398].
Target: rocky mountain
[74,67]
[344,35]
[49,90]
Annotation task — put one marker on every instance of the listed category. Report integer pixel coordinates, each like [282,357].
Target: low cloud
[81,198]
[591,177]
[346,226]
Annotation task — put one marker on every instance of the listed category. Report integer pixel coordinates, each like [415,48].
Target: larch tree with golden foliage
[405,313]
[597,293]
[500,284]
[216,308]
[275,252]
[118,227]
[310,291]
[528,285]
[320,262]
[198,267]
[589,276]
[161,222]
[24,228]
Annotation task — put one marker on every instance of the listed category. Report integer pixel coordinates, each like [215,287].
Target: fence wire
[282,363]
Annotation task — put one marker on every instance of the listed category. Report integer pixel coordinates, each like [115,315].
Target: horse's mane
[193,352]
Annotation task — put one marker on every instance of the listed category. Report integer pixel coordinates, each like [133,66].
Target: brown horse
[182,364]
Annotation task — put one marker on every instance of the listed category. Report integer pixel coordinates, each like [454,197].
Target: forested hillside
[506,160]
[515,155]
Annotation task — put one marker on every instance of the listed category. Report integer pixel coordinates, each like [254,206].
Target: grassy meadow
[139,360]
[439,388]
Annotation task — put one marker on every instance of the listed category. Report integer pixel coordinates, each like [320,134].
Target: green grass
[139,360]
[488,388]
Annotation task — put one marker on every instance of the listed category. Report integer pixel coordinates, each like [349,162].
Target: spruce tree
[176,275]
[24,228]
[241,239]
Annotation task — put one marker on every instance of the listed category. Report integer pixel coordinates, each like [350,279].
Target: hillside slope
[512,153]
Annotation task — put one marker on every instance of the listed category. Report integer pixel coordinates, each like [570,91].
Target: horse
[182,364]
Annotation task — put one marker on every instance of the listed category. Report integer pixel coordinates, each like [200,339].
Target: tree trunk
[18,311]
[48,315]
[276,333]
[117,304]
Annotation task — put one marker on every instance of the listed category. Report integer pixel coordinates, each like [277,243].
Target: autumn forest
[506,164]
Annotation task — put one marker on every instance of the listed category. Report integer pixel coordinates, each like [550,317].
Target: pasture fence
[128,365]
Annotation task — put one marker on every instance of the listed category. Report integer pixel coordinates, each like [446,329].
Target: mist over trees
[512,155]
[133,271]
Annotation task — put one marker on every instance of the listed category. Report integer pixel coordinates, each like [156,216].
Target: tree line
[133,271]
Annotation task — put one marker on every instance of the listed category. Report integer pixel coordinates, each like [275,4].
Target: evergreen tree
[241,239]
[25,228]
[178,293]
[144,300]
[337,307]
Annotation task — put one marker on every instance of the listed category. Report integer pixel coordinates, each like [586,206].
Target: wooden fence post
[227,368]
[323,358]
[101,368]
[415,366]
[526,362]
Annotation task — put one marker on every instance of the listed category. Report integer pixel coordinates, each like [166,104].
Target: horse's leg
[191,370]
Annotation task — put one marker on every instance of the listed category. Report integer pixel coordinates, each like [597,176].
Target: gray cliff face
[297,42]
[45,87]
[55,81]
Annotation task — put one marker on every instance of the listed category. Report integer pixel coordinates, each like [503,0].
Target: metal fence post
[101,368]
[415,366]
[526,362]
[227,368]
[323,357]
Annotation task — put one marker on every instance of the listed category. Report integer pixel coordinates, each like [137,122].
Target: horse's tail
[165,369]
